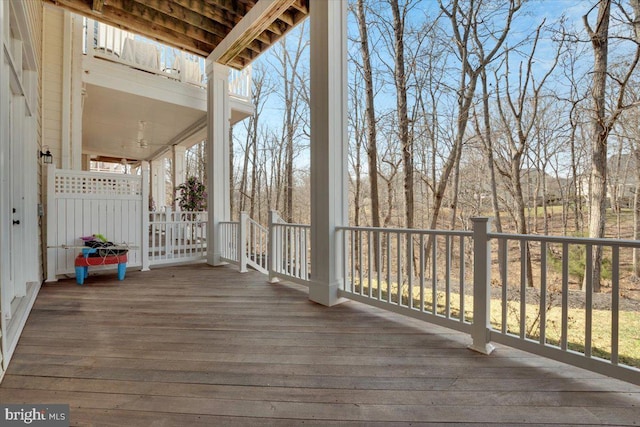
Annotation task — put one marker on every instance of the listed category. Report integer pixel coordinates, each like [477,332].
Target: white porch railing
[240,83]
[177,236]
[229,234]
[106,42]
[583,328]
[445,277]
[289,250]
[257,244]
[280,250]
[420,273]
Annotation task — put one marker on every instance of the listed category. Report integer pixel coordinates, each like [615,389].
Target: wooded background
[526,111]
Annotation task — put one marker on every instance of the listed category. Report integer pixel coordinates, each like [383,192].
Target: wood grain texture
[196,345]
[195,26]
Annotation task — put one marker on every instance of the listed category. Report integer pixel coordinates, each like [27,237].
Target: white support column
[178,162]
[218,173]
[274,247]
[77,93]
[157,180]
[52,221]
[65,136]
[481,286]
[145,216]
[329,197]
[242,242]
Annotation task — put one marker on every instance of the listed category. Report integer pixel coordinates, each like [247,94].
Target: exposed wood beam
[226,19]
[254,23]
[301,6]
[286,18]
[198,26]
[141,26]
[200,20]
[126,8]
[97,6]
[239,7]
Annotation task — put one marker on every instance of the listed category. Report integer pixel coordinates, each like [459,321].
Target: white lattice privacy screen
[85,203]
[97,185]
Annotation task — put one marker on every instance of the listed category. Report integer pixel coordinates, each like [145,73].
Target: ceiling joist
[254,23]
[97,6]
[200,26]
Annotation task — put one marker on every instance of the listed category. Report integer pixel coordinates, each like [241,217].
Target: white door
[16,184]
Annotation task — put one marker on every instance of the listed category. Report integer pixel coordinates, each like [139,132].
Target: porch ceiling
[111,125]
[198,26]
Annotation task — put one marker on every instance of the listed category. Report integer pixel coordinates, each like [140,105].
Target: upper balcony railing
[113,44]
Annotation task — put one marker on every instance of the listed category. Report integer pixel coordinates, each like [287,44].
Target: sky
[534,11]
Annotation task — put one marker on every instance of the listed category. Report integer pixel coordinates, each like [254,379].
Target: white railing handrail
[408,230]
[292,225]
[566,239]
[257,225]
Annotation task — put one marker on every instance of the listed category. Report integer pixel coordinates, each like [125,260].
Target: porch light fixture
[48,157]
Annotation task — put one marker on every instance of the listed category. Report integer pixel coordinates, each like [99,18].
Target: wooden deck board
[196,345]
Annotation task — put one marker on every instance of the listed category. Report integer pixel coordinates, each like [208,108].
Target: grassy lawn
[629,330]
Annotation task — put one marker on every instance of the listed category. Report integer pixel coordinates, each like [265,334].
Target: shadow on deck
[196,345]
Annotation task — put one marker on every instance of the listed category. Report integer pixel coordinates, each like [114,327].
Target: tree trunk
[372,146]
[370,114]
[636,215]
[598,184]
[401,105]
[242,191]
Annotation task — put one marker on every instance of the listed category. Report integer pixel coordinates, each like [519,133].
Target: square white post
[274,246]
[242,242]
[218,173]
[178,169]
[52,221]
[481,286]
[157,178]
[329,197]
[145,216]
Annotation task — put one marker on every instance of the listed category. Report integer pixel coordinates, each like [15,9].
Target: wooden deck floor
[196,345]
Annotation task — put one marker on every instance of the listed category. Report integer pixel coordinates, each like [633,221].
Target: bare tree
[290,65]
[370,114]
[248,188]
[520,115]
[601,122]
[468,21]
[400,79]
[486,137]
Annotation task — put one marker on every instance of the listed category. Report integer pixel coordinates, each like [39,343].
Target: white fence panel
[85,203]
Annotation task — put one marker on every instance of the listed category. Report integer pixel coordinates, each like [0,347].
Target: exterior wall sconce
[48,157]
